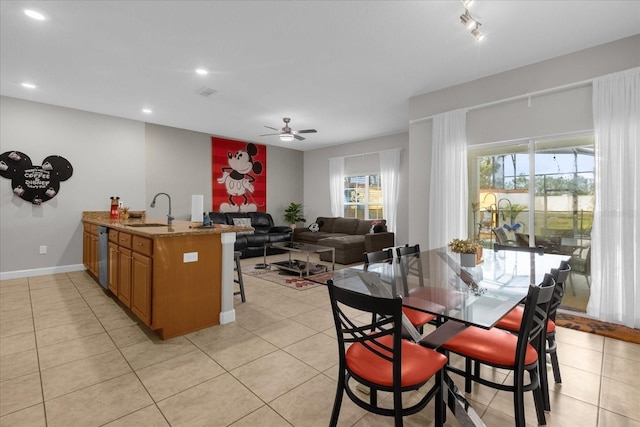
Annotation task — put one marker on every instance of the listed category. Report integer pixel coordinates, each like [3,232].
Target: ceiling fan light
[286,137]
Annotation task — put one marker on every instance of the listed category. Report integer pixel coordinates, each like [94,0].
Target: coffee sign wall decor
[35,184]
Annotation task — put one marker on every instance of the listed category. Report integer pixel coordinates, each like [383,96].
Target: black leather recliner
[252,245]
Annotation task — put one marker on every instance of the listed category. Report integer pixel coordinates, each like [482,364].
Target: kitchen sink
[147,224]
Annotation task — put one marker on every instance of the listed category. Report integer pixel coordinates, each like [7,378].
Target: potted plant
[293,214]
[467,249]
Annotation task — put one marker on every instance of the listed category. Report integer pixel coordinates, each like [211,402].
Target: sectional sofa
[349,236]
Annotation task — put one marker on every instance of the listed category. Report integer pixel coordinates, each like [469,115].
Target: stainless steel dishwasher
[103,254]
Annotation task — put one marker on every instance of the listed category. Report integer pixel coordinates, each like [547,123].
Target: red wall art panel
[239,178]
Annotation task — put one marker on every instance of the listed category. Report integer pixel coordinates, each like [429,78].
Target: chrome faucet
[153,205]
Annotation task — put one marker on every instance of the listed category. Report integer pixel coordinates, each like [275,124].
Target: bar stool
[238,280]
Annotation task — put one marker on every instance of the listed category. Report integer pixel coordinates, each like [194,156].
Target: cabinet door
[124,275]
[141,287]
[86,243]
[93,255]
[113,268]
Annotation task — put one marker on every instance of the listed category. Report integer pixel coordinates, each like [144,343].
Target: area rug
[597,327]
[288,279]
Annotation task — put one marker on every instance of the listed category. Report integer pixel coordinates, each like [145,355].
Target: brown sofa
[349,236]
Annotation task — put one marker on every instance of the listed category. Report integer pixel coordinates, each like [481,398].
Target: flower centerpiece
[467,249]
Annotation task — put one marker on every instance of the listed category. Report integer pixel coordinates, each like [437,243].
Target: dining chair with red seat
[411,264]
[416,317]
[501,349]
[376,356]
[512,321]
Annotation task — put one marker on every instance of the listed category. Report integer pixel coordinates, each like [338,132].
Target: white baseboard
[41,271]
[227,317]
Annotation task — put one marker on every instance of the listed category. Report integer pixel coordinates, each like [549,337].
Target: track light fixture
[470,22]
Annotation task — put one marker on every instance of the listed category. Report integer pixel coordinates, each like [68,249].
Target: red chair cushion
[417,318]
[418,363]
[513,319]
[493,346]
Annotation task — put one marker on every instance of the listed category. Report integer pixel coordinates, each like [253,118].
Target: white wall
[107,155]
[316,176]
[553,113]
[110,157]
[178,162]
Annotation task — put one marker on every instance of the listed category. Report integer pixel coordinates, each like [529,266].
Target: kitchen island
[176,279]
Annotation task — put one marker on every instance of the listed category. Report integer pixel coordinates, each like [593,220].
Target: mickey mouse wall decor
[242,177]
[35,184]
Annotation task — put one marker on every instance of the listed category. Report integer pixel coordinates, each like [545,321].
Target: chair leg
[439,401]
[544,381]
[337,402]
[239,281]
[552,350]
[538,398]
[518,398]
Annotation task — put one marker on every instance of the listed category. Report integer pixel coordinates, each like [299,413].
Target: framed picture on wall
[239,180]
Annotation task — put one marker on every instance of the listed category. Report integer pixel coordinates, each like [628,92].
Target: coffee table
[303,268]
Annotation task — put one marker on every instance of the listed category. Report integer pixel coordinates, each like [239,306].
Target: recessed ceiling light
[202,71]
[29,85]
[147,111]
[35,15]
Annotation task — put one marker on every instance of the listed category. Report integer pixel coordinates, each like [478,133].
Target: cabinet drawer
[94,229]
[113,235]
[124,239]
[143,245]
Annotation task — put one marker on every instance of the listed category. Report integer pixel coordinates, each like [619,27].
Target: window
[539,192]
[362,197]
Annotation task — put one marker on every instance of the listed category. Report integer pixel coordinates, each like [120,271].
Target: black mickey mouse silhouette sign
[35,184]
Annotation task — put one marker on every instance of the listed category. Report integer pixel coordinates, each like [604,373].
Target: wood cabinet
[113,262]
[113,267]
[149,274]
[124,275]
[90,248]
[141,287]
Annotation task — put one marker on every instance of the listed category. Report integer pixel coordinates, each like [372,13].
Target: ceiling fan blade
[299,138]
[269,134]
[269,127]
[307,131]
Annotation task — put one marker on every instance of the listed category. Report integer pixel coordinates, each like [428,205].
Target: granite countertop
[178,228]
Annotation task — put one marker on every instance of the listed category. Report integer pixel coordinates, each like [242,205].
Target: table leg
[457,403]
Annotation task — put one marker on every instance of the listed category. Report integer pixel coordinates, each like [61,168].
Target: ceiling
[345,68]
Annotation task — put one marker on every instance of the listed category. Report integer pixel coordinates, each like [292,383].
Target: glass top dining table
[434,282]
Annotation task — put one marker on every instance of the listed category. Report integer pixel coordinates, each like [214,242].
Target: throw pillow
[378,228]
[242,222]
[314,227]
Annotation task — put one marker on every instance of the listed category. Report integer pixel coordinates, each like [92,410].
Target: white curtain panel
[448,194]
[336,185]
[615,236]
[389,180]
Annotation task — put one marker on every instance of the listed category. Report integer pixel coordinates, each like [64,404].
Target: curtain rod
[365,154]
[515,98]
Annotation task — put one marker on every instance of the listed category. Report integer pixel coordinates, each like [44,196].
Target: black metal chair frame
[537,250]
[560,275]
[386,321]
[532,331]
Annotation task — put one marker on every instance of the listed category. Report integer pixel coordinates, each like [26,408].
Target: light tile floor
[70,355]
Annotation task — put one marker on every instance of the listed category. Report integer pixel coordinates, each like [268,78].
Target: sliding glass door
[537,193]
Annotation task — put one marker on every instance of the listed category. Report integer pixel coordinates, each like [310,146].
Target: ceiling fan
[287,134]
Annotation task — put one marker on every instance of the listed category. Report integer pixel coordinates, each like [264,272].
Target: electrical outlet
[190,257]
[43,249]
